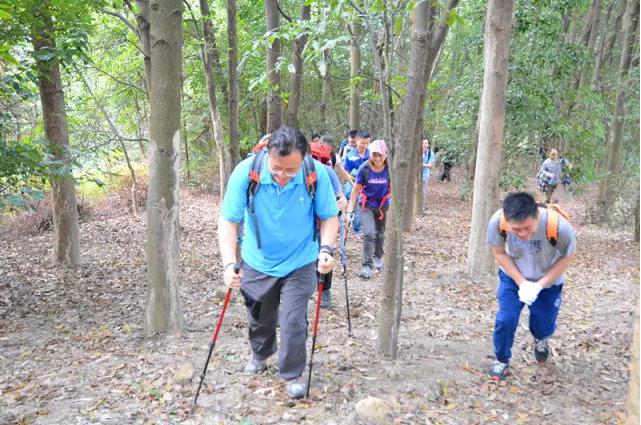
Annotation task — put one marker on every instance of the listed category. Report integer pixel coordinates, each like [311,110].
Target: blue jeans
[543,314]
[356,225]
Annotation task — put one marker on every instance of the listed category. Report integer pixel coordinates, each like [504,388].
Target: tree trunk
[608,46]
[186,149]
[633,392]
[585,39]
[355,59]
[497,47]
[145,41]
[211,95]
[274,100]
[594,32]
[296,84]
[234,90]
[162,309]
[565,25]
[66,232]
[435,39]
[598,63]
[607,187]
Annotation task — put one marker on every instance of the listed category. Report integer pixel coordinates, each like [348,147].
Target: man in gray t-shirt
[531,273]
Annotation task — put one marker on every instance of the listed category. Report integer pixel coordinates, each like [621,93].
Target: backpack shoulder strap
[365,174]
[254,183]
[311,179]
[552,230]
[503,226]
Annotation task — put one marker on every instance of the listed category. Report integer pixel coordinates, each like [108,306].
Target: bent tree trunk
[162,309]
[492,112]
[297,77]
[66,232]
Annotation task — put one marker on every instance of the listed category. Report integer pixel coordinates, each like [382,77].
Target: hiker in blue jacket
[280,250]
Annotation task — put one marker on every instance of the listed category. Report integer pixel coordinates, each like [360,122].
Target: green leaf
[398,26]
[322,67]
[291,68]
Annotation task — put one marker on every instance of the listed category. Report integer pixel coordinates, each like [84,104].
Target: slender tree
[498,25]
[296,84]
[274,99]
[214,112]
[355,72]
[607,187]
[162,309]
[66,232]
[234,89]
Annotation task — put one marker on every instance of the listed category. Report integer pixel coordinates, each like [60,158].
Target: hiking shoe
[498,370]
[296,388]
[326,299]
[378,263]
[366,272]
[541,350]
[254,366]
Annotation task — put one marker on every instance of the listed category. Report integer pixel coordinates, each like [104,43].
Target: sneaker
[378,263]
[326,299]
[541,350]
[296,388]
[358,236]
[498,370]
[254,367]
[366,272]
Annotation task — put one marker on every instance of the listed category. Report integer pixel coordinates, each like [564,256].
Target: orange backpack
[552,230]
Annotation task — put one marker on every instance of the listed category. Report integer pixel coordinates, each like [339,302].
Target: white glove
[350,217]
[529,291]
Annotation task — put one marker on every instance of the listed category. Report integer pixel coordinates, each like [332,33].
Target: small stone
[183,375]
[168,398]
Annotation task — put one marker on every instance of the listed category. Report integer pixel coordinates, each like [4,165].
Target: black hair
[364,134]
[315,135]
[352,134]
[285,140]
[519,206]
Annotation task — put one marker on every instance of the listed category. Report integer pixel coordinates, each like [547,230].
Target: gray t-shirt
[535,256]
[553,167]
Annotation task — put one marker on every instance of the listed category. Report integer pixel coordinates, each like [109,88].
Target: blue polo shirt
[285,218]
[353,162]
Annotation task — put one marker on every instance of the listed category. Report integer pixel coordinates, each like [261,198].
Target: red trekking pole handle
[321,282]
[212,344]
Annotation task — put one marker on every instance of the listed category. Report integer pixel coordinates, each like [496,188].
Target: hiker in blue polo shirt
[351,164]
[280,249]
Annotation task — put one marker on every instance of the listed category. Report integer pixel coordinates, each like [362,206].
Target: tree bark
[144,35]
[274,99]
[186,149]
[296,84]
[66,231]
[162,309]
[217,125]
[234,89]
[435,39]
[607,187]
[355,60]
[495,59]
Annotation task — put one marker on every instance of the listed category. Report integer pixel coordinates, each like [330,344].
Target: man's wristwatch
[328,249]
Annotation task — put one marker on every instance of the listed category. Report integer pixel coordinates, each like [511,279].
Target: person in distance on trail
[531,272]
[427,162]
[348,144]
[336,164]
[550,174]
[351,164]
[374,184]
[279,251]
[315,138]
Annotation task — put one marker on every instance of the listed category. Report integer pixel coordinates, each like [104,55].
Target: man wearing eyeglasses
[287,257]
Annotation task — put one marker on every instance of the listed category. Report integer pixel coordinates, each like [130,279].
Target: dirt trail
[73,351]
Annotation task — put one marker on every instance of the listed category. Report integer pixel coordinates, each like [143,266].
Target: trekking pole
[344,262]
[321,282]
[212,344]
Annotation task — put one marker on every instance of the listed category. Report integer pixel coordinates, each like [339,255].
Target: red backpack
[552,230]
